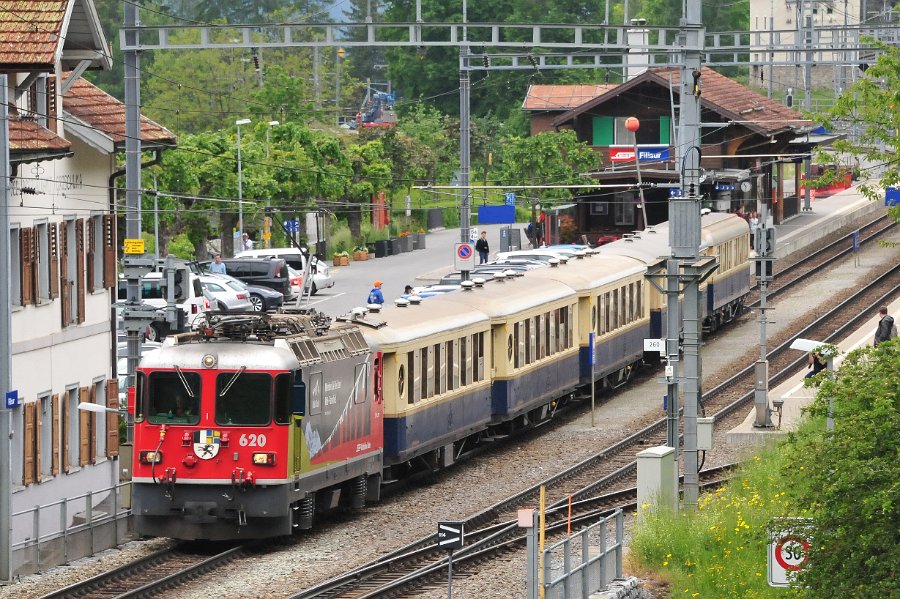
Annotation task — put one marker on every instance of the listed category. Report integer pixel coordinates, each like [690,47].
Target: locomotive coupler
[168,483]
[240,481]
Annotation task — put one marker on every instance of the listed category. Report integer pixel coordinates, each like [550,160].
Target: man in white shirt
[248,243]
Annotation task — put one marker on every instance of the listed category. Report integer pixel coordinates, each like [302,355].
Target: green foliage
[845,481]
[341,239]
[547,158]
[850,479]
[873,102]
[720,549]
[181,247]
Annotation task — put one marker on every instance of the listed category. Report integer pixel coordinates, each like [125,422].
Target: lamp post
[267,231]
[633,124]
[240,183]
[337,86]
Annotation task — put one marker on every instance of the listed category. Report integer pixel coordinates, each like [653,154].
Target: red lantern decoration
[632,124]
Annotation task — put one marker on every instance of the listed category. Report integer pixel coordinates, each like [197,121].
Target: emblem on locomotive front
[206,443]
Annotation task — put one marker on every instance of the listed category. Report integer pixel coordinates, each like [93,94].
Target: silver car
[225,295]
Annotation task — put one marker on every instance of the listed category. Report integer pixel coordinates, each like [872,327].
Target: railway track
[801,270]
[408,569]
[424,562]
[151,574]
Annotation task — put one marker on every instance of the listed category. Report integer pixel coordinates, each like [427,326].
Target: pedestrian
[375,296]
[886,327]
[247,242]
[408,290]
[740,212]
[482,247]
[754,225]
[218,267]
[817,362]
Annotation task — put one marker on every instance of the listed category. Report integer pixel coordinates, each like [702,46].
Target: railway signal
[450,536]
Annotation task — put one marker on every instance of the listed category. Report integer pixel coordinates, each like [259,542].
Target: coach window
[452,366]
[174,398]
[243,398]
[283,399]
[479,353]
[517,339]
[529,341]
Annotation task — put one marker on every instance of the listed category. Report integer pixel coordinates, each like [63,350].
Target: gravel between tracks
[345,542]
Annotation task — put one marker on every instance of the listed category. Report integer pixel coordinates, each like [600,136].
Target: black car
[265,272]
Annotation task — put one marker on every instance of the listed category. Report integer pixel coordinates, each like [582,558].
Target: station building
[64,134]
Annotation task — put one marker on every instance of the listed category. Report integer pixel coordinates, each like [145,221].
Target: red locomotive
[247,427]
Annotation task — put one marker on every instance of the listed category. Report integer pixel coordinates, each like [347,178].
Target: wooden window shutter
[64,433]
[112,419]
[65,291]
[79,267]
[84,429]
[28,441]
[54,435]
[26,254]
[109,251]
[91,241]
[36,266]
[37,440]
[54,261]
[51,103]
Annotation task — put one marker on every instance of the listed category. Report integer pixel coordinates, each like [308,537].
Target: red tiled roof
[28,136]
[728,98]
[29,31]
[90,104]
[562,97]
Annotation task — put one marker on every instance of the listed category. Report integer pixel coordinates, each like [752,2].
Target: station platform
[827,215]
[796,397]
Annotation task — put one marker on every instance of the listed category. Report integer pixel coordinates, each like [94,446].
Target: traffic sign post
[450,536]
[12,399]
[464,257]
[789,546]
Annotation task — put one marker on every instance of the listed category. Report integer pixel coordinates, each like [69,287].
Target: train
[253,424]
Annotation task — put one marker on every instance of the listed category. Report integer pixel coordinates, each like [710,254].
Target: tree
[546,159]
[849,480]
[872,107]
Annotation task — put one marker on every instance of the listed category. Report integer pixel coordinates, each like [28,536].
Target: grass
[719,550]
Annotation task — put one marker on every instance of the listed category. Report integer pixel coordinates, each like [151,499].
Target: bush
[181,247]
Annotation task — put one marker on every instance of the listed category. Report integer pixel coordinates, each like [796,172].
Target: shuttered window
[31,441]
[109,251]
[79,268]
[87,426]
[66,253]
[55,430]
[15,251]
[27,252]
[92,253]
[112,419]
[42,263]
[53,254]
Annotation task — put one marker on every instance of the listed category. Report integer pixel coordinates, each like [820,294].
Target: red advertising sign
[621,153]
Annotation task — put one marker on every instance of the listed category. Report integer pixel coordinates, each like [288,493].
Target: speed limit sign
[788,553]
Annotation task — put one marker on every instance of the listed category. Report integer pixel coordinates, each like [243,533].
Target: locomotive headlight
[150,457]
[208,361]
[264,459]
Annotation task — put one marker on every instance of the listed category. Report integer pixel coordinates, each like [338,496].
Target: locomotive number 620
[253,440]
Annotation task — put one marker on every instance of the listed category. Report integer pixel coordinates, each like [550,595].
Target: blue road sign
[12,399]
[464,251]
[591,357]
[510,199]
[855,237]
[892,196]
[293,225]
[674,192]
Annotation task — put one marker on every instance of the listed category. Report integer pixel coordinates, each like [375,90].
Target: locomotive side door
[312,409]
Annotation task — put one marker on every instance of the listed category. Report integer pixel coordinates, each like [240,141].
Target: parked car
[152,294]
[262,298]
[296,259]
[266,272]
[228,296]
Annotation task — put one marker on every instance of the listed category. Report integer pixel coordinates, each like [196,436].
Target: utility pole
[464,135]
[684,239]
[764,257]
[5,342]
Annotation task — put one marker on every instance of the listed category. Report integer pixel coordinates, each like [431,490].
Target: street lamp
[240,183]
[100,409]
[271,124]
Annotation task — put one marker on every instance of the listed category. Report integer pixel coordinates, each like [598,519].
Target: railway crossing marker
[450,536]
[788,552]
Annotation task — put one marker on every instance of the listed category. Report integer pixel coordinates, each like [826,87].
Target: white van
[152,294]
[321,272]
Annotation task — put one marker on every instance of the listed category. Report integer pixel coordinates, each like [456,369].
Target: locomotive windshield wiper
[184,382]
[231,382]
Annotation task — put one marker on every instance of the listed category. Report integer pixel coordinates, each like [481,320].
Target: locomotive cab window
[243,398]
[283,397]
[173,398]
